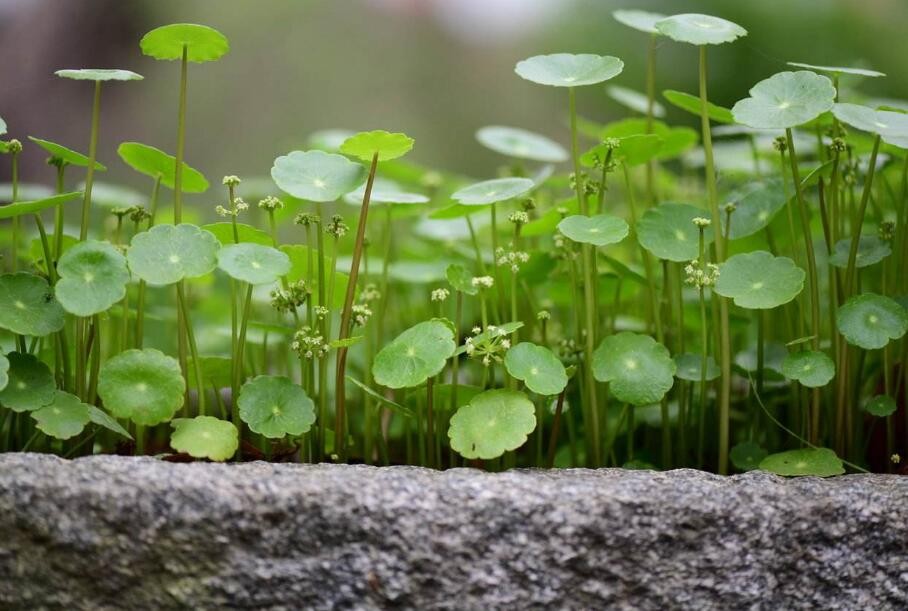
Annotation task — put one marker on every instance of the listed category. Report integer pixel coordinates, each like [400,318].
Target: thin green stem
[92,156]
[181,142]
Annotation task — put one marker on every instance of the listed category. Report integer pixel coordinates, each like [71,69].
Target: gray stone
[136,533]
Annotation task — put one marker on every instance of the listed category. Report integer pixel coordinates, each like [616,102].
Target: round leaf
[644,21]
[538,368]
[156,163]
[838,69]
[881,406]
[668,231]
[747,455]
[569,70]
[492,423]
[821,462]
[871,250]
[253,263]
[755,207]
[491,191]
[869,321]
[316,176]
[640,369]
[205,437]
[33,206]
[697,29]
[274,406]
[759,281]
[599,230]
[809,367]
[365,145]
[166,254]
[415,355]
[31,384]
[892,127]
[520,143]
[63,418]
[688,367]
[28,305]
[785,100]
[58,151]
[99,74]
[634,100]
[93,277]
[460,279]
[202,43]
[385,192]
[145,386]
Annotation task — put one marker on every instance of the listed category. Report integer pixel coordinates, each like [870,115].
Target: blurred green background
[435,69]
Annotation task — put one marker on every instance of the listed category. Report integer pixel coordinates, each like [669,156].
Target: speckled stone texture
[136,533]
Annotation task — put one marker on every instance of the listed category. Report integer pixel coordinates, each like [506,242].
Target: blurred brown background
[436,69]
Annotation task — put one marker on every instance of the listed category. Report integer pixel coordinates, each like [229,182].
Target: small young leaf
[166,254]
[697,29]
[492,423]
[640,369]
[569,70]
[870,321]
[383,400]
[253,263]
[30,386]
[809,367]
[63,418]
[223,231]
[881,406]
[599,230]
[691,104]
[643,21]
[492,191]
[28,305]
[538,368]
[820,462]
[675,140]
[747,455]
[871,250]
[156,163]
[668,231]
[520,143]
[785,100]
[145,386]
[93,277]
[274,406]
[103,419]
[758,280]
[415,355]
[688,367]
[69,156]
[316,176]
[204,437]
[365,145]
[200,43]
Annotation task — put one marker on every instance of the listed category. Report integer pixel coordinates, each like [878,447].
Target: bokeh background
[435,69]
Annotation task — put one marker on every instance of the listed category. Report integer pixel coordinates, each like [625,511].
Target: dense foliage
[645,297]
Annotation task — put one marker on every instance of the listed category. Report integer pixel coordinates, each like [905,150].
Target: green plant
[648,305]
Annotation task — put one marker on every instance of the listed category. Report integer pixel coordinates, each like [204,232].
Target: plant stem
[181,142]
[588,287]
[724,339]
[556,426]
[650,103]
[92,156]
[347,312]
[193,350]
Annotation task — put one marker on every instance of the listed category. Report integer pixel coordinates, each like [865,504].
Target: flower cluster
[14,147]
[306,219]
[483,282]
[370,293]
[137,214]
[290,298]
[569,350]
[308,344]
[511,258]
[337,227]
[361,314]
[564,248]
[702,222]
[887,230]
[440,294]
[238,205]
[231,181]
[271,204]
[519,217]
[489,346]
[321,312]
[698,277]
